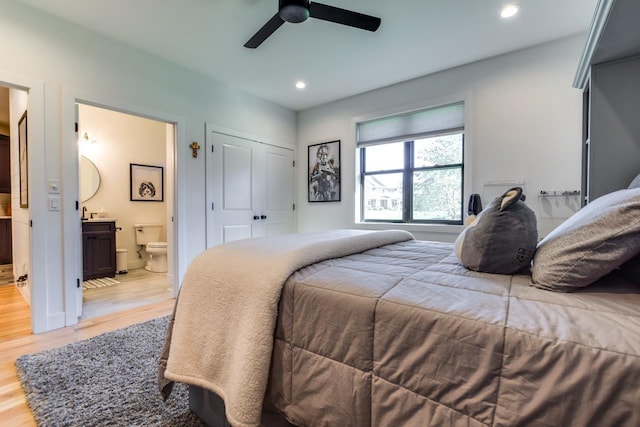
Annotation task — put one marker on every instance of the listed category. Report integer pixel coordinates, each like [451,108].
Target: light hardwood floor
[16,340]
[15,314]
[136,288]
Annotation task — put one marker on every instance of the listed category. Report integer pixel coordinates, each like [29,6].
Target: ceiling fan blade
[344,17]
[263,33]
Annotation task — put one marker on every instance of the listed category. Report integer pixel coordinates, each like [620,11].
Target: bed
[394,331]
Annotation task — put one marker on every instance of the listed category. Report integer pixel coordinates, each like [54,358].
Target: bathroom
[109,143]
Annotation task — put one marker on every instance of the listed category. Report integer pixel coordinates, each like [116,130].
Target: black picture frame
[23,160]
[146,183]
[323,182]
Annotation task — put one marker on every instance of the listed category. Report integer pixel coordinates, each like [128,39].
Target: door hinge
[77,205]
[212,206]
[212,148]
[76,127]
[294,163]
[78,283]
[31,223]
[294,206]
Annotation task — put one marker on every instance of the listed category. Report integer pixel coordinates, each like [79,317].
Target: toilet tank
[146,233]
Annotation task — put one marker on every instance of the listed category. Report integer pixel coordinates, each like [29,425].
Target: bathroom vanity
[98,249]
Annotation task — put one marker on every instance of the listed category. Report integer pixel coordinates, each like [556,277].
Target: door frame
[72,240]
[37,274]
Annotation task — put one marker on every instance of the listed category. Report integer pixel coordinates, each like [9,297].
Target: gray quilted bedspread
[403,335]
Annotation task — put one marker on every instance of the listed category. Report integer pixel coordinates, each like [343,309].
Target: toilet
[147,235]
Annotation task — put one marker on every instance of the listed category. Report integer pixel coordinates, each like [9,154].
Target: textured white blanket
[226,313]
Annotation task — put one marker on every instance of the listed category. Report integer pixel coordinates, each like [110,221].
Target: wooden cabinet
[98,249]
[5,241]
[5,165]
[608,75]
[613,159]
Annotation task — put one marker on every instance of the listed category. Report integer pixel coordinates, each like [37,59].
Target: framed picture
[324,172]
[147,183]
[23,161]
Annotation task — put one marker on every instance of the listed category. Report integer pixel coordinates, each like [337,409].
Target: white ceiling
[417,37]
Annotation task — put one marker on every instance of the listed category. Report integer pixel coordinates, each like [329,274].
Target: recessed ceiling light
[301,85]
[509,10]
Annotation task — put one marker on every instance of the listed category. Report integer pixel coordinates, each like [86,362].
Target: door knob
[263,217]
[256,217]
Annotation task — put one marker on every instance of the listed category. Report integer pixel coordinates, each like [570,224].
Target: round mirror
[89,179]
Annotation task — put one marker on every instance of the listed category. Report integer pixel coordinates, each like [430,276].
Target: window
[412,167]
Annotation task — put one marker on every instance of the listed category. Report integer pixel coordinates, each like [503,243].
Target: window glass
[435,177]
[383,197]
[385,157]
[438,150]
[437,194]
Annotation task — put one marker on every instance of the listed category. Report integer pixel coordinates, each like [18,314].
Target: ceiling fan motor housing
[294,11]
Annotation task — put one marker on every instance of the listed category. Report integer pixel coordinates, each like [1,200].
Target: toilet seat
[157,245]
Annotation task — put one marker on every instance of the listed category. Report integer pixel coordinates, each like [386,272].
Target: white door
[277,215]
[249,189]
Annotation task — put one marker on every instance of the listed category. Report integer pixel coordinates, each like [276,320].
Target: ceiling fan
[296,11]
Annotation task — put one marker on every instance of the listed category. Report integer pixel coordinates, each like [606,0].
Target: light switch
[54,186]
[54,203]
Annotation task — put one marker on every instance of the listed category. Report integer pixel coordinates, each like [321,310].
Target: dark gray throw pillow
[590,244]
[502,237]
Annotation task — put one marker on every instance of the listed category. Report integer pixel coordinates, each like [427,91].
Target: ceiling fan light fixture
[297,11]
[300,84]
[294,11]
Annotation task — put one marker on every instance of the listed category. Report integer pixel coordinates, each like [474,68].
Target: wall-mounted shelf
[558,193]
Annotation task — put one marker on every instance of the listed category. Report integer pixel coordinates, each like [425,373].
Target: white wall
[122,139]
[18,100]
[65,63]
[525,125]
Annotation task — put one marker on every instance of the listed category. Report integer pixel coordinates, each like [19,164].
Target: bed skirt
[210,408]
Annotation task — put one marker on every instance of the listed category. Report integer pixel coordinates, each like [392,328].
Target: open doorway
[15,293]
[127,230]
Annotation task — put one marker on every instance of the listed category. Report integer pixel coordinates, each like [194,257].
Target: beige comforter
[222,335]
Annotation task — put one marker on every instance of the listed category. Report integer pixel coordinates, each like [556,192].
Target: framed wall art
[147,183]
[324,172]
[23,161]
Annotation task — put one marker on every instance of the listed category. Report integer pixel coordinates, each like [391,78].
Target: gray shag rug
[108,380]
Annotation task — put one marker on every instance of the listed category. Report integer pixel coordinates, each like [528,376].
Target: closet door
[249,189]
[277,197]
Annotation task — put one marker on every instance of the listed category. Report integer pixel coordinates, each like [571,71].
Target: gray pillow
[502,238]
[636,182]
[591,243]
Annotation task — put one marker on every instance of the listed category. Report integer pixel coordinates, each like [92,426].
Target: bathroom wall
[115,140]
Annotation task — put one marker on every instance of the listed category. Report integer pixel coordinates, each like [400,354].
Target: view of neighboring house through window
[412,166]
